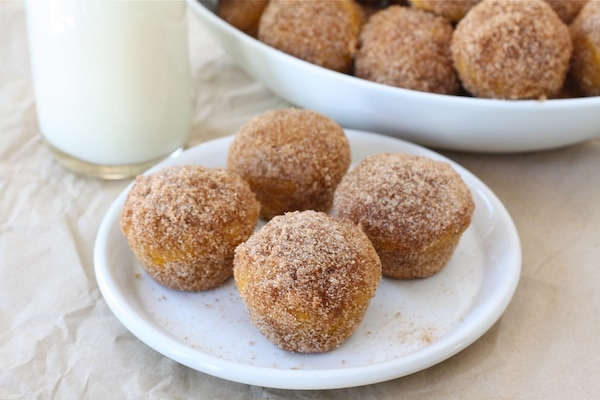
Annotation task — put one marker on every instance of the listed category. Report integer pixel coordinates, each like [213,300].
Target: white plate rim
[474,325]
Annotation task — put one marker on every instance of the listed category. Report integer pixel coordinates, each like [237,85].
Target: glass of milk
[112,82]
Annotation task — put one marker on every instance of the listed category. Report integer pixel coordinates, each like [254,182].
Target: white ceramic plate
[450,122]
[409,326]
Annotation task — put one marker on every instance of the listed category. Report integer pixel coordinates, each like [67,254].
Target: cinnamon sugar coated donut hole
[293,159]
[408,48]
[320,32]
[512,49]
[585,63]
[307,280]
[183,224]
[413,208]
[454,10]
[242,14]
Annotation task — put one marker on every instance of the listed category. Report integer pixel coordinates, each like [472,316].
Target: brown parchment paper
[59,340]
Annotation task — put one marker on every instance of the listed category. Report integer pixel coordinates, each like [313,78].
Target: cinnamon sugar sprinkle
[408,48]
[307,279]
[512,49]
[183,223]
[293,159]
[413,209]
[321,32]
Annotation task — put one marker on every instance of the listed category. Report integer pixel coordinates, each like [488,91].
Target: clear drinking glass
[112,82]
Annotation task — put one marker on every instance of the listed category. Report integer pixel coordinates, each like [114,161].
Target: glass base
[109,172]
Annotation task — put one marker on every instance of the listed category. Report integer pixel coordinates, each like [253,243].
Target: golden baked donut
[454,10]
[413,208]
[512,49]
[242,14]
[320,32]
[408,48]
[307,280]
[293,159]
[585,63]
[183,224]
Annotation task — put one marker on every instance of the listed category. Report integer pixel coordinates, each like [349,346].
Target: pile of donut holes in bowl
[457,121]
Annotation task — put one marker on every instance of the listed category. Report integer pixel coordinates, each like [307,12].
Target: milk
[111,78]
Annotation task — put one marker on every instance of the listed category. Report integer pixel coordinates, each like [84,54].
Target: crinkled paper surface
[58,338]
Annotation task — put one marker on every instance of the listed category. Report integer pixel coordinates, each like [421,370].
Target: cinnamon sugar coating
[512,49]
[320,32]
[585,63]
[242,14]
[183,224]
[454,10]
[408,48]
[414,210]
[293,159]
[307,280]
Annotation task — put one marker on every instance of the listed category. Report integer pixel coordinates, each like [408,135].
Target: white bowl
[442,121]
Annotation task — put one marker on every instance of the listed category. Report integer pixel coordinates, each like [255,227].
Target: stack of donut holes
[501,49]
[308,275]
